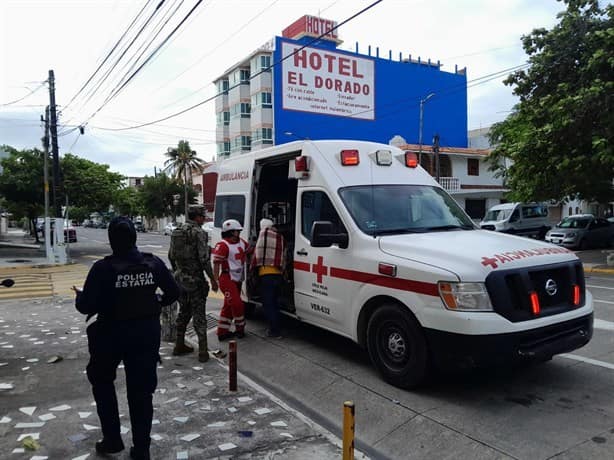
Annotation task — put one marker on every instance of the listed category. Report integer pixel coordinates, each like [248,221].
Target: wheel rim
[393,345]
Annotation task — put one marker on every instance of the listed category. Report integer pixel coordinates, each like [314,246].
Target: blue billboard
[324,93]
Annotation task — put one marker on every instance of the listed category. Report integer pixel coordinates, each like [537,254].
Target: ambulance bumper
[465,351]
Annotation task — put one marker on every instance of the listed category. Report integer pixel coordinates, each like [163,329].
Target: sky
[72,37]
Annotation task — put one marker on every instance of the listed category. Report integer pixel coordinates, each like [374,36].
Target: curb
[609,271]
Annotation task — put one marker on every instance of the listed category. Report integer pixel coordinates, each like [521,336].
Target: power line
[27,95]
[149,58]
[181,112]
[108,54]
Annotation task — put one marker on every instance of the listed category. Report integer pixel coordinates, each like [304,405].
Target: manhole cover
[19,261]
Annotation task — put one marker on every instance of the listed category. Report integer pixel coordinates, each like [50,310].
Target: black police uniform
[121,289]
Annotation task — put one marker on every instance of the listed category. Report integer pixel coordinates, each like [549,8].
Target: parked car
[168,229]
[582,231]
[525,219]
[140,227]
[70,233]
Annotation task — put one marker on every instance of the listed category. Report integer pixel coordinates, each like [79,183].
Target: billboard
[326,82]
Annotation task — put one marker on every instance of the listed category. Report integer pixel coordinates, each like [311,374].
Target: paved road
[562,409]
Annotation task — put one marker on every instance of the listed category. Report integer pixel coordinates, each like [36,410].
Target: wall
[397,90]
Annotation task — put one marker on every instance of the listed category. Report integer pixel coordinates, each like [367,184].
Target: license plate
[556,241]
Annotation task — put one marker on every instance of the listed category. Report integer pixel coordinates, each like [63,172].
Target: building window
[223,118]
[263,135]
[239,77]
[241,143]
[473,167]
[261,63]
[262,99]
[241,110]
[223,148]
[222,86]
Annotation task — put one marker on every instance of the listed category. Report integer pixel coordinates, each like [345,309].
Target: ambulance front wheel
[397,346]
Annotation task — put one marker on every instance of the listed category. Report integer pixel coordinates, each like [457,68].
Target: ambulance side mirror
[322,235]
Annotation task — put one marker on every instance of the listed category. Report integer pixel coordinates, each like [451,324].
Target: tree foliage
[182,162]
[127,202]
[559,138]
[88,184]
[156,196]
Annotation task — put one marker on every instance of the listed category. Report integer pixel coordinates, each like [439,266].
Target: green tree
[127,202]
[559,138]
[21,184]
[78,213]
[182,162]
[88,184]
[156,196]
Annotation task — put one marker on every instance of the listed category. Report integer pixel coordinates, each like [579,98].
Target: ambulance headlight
[464,296]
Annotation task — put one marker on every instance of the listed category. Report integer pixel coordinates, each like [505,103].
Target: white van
[381,254]
[526,219]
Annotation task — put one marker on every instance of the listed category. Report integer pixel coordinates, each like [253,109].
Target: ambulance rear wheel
[397,346]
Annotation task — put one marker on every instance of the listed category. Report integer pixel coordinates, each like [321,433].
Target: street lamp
[422,102]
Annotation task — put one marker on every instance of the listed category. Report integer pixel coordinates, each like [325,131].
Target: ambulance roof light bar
[411,160]
[350,158]
[383,157]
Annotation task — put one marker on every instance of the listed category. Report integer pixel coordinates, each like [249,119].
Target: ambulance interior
[275,198]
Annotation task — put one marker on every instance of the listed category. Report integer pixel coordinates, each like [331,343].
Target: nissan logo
[551,287]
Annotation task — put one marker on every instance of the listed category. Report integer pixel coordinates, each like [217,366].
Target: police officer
[190,256]
[121,291]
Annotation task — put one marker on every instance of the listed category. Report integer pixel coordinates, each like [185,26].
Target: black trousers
[137,344]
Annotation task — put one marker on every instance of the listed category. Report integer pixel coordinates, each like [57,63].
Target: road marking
[602,324]
[599,287]
[588,360]
[603,301]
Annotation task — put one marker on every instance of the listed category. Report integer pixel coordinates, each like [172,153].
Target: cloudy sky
[73,37]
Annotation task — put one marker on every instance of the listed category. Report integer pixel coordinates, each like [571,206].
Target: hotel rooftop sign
[312,26]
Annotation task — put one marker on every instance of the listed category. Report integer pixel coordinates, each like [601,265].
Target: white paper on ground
[286,435]
[81,457]
[60,408]
[244,399]
[190,437]
[6,386]
[181,419]
[171,400]
[226,446]
[251,422]
[32,360]
[25,435]
[29,410]
[30,425]
[189,403]
[90,427]
[232,409]
[39,457]
[5,419]
[155,421]
[18,450]
[175,371]
[216,424]
[183,455]
[46,417]
[262,411]
[156,437]
[209,383]
[84,414]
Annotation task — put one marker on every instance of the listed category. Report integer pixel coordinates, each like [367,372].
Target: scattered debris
[190,437]
[29,410]
[226,446]
[54,359]
[59,408]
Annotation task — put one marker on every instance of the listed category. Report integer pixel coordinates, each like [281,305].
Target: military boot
[180,347]
[203,352]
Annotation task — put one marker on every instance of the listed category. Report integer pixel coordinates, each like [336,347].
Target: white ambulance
[381,254]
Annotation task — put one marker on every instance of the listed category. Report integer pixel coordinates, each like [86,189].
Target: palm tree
[181,163]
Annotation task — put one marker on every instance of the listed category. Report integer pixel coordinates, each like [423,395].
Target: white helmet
[231,224]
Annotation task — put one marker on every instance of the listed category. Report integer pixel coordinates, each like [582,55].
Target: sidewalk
[196,416]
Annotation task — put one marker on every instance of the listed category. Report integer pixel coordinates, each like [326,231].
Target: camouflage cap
[197,210]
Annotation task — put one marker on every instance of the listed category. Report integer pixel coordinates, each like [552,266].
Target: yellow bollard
[348,430]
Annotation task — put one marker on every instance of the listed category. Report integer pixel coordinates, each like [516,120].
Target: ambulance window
[229,207]
[317,206]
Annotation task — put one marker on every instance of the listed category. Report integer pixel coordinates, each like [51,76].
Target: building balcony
[450,184]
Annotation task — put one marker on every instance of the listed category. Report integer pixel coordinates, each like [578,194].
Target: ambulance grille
[510,290]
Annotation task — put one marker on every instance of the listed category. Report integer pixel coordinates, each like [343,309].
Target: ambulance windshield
[396,209]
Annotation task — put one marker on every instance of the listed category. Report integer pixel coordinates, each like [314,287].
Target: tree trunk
[185,192]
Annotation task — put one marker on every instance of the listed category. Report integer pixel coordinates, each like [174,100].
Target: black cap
[122,235]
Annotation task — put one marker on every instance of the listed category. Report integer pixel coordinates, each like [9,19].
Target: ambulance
[379,253]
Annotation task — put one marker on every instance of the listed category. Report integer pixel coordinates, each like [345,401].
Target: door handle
[301,252]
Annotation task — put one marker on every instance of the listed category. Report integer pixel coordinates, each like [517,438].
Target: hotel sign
[327,82]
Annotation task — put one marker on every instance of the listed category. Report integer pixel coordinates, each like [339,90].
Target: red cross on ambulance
[319,269]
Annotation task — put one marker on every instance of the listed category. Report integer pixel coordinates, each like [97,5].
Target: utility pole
[422,102]
[47,227]
[53,127]
[436,153]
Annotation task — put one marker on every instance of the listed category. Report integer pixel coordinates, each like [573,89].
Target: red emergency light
[350,158]
[534,302]
[387,269]
[411,160]
[576,295]
[301,167]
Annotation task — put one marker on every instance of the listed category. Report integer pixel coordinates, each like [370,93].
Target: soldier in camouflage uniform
[189,255]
